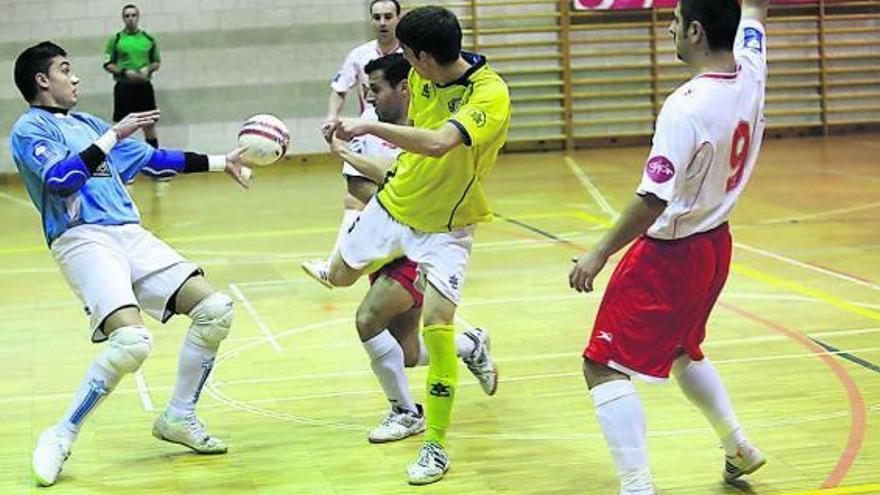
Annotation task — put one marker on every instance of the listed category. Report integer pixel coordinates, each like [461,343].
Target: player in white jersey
[384,15]
[388,317]
[652,319]
[74,166]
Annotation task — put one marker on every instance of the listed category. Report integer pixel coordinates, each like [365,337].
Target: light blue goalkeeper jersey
[41,139]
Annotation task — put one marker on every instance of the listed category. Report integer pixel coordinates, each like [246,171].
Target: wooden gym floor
[796,337]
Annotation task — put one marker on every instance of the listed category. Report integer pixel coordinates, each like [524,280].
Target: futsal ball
[265,137]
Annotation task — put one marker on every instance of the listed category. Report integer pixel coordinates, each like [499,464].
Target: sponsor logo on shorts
[604,336]
[439,390]
[660,169]
[453,282]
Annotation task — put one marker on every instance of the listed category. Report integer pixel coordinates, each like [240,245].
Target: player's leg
[702,385]
[167,284]
[700,381]
[385,302]
[622,419]
[211,313]
[372,240]
[628,339]
[442,381]
[359,191]
[108,295]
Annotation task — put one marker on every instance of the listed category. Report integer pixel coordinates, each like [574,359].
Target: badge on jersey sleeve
[660,169]
[753,39]
[43,153]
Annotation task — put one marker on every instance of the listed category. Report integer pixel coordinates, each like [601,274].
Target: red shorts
[657,303]
[405,272]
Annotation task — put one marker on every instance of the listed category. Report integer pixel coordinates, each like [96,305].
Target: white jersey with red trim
[706,141]
[352,73]
[369,145]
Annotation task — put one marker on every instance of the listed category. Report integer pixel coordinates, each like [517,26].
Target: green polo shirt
[132,51]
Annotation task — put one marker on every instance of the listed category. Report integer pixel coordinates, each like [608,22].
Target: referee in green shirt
[132,56]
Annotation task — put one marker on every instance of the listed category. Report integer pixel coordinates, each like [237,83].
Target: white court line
[573,354]
[143,391]
[17,200]
[591,188]
[597,195]
[542,376]
[801,264]
[256,316]
[821,214]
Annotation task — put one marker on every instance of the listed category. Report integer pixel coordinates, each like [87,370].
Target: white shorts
[114,266]
[347,170]
[442,256]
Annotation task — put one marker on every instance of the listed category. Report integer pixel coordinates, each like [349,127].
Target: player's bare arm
[334,106]
[755,10]
[638,216]
[428,142]
[374,167]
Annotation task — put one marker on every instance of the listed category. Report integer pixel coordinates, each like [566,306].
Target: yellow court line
[599,220]
[805,291]
[843,490]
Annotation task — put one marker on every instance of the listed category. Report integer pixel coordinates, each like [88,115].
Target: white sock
[386,359]
[702,385]
[193,368]
[622,419]
[464,347]
[95,386]
[348,217]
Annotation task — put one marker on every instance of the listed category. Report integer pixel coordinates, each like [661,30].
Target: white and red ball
[266,139]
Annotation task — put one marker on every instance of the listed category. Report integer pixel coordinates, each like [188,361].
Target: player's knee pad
[129,347]
[211,320]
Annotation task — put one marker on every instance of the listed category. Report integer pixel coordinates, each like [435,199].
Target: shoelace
[430,452]
[196,428]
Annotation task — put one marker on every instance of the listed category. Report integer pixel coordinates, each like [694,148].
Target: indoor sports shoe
[187,431]
[318,270]
[49,456]
[397,425]
[480,363]
[431,466]
[747,460]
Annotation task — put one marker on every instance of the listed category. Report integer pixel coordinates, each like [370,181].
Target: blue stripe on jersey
[41,141]
[165,163]
[67,176]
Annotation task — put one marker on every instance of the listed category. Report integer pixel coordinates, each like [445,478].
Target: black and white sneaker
[431,466]
[480,362]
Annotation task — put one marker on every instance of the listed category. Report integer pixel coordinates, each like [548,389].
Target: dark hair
[31,62]
[394,68]
[130,6]
[395,2]
[719,18]
[434,30]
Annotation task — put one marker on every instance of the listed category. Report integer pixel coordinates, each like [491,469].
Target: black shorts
[128,98]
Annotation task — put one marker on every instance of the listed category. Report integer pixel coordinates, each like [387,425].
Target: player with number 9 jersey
[706,142]
[652,319]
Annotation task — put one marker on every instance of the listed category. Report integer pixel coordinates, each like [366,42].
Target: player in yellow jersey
[432,197]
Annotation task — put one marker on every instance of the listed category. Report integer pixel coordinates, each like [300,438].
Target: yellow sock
[442,380]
